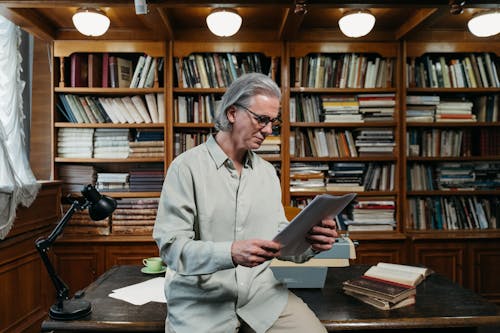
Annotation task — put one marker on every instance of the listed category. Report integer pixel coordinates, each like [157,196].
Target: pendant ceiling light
[91,21]
[357,23]
[485,24]
[224,22]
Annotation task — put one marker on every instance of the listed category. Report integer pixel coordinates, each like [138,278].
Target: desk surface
[439,304]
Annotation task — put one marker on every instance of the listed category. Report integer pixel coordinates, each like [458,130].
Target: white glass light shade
[91,22]
[224,22]
[485,24]
[357,23]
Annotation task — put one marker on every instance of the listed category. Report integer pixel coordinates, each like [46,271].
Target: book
[397,273]
[124,72]
[137,72]
[383,290]
[380,303]
[94,70]
[79,70]
[113,72]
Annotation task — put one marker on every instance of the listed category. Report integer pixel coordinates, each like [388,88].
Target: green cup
[154,264]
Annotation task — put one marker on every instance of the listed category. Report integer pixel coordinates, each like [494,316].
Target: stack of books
[134,216]
[81,224]
[387,286]
[307,177]
[373,215]
[377,107]
[455,111]
[111,143]
[270,147]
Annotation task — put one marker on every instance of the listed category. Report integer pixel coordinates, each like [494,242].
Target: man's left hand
[322,236]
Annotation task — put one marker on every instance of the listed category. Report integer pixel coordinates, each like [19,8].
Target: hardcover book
[384,290]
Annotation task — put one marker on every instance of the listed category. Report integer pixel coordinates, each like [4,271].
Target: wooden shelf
[453,192]
[359,194]
[341,125]
[453,124]
[373,158]
[108,91]
[108,125]
[108,160]
[438,159]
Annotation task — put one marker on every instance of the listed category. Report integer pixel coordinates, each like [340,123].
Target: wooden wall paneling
[78,265]
[444,257]
[372,252]
[129,254]
[22,302]
[25,288]
[483,269]
[41,121]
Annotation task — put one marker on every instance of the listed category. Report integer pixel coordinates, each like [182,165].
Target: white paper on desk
[292,237]
[141,293]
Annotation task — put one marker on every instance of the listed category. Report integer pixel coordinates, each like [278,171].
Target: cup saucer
[147,270]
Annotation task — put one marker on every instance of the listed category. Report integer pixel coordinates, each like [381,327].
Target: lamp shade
[91,21]
[101,206]
[485,24]
[224,22]
[357,23]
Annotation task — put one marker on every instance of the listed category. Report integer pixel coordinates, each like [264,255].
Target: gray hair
[240,92]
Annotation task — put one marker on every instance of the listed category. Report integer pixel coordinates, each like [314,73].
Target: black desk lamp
[100,207]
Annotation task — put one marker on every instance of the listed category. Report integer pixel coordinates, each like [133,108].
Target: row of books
[349,70]
[437,142]
[195,108]
[132,216]
[372,215]
[430,108]
[145,72]
[453,142]
[219,70]
[472,70]
[454,213]
[187,139]
[342,108]
[387,286]
[146,179]
[116,110]
[108,143]
[114,70]
[342,177]
[320,142]
[454,176]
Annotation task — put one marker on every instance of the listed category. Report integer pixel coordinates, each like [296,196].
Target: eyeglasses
[262,120]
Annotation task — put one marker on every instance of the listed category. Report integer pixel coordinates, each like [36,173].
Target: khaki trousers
[295,318]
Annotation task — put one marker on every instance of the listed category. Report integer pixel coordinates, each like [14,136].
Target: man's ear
[230,112]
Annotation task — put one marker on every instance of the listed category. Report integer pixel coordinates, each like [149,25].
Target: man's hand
[322,236]
[254,252]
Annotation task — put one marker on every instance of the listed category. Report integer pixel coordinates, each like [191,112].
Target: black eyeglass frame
[261,119]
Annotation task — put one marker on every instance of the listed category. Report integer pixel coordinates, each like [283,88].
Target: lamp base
[71,309]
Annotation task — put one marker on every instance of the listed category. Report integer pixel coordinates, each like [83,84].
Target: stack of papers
[142,293]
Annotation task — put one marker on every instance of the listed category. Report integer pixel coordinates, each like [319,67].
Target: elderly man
[219,208]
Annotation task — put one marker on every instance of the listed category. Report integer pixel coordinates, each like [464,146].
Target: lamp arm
[43,244]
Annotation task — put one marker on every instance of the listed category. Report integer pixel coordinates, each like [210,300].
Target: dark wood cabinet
[25,289]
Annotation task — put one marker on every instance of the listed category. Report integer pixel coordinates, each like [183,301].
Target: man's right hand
[253,252]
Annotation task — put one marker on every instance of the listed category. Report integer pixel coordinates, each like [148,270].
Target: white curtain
[17,182]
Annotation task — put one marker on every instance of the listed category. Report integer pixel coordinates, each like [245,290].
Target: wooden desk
[440,304]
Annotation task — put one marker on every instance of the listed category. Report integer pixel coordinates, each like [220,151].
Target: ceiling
[263,20]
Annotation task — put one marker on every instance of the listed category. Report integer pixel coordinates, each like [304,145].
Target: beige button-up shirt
[204,206]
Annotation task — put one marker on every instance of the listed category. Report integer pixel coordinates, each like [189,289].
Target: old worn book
[380,303]
[384,290]
[404,274]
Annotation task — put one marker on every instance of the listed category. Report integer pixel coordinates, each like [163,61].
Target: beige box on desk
[312,274]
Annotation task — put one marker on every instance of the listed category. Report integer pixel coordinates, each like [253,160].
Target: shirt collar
[220,157]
